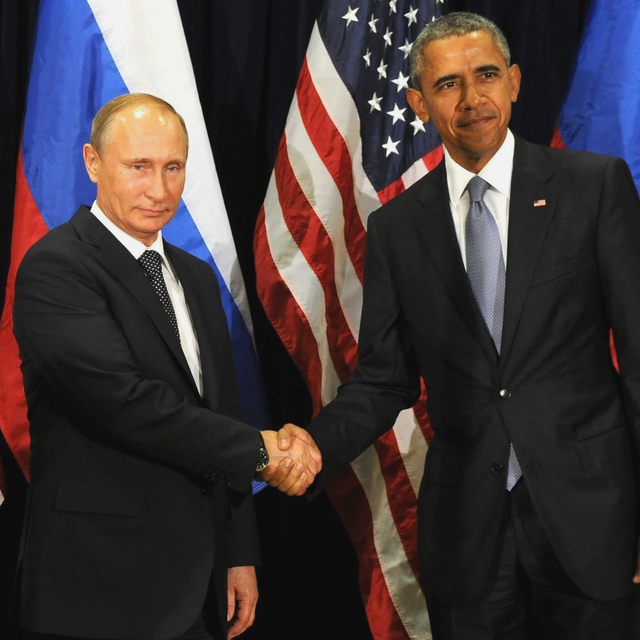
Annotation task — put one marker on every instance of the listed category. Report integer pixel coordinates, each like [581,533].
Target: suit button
[496,468]
[505,393]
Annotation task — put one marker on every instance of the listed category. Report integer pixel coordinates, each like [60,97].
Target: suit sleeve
[386,379]
[244,543]
[76,356]
[618,253]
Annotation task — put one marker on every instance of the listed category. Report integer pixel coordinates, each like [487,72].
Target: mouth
[153,213]
[475,123]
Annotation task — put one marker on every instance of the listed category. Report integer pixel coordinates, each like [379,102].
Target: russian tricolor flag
[87,52]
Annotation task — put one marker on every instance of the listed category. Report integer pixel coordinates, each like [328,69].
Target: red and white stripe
[309,250]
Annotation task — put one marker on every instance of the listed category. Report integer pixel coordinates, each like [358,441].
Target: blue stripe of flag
[602,109]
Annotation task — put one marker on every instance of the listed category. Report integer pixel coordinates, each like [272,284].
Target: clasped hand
[294,459]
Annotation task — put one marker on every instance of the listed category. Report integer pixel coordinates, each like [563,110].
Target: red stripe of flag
[351,503]
[28,227]
[556,140]
[315,244]
[333,152]
[391,191]
[286,316]
[431,161]
[433,158]
[420,409]
[400,495]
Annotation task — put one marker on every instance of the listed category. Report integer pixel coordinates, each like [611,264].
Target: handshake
[294,459]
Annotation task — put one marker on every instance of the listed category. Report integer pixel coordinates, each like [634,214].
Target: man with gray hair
[498,278]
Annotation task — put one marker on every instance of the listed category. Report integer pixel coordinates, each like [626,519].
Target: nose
[156,186]
[471,96]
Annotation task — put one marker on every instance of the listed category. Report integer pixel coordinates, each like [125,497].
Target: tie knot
[477,187]
[151,261]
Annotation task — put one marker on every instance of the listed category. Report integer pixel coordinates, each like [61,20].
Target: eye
[137,167]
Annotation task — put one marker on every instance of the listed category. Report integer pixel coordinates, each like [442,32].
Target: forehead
[451,55]
[147,125]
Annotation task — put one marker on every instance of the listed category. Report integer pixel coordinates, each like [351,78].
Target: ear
[91,161]
[514,81]
[417,104]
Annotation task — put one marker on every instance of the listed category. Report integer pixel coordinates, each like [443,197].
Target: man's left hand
[242,591]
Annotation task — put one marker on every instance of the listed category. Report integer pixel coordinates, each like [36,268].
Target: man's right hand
[294,459]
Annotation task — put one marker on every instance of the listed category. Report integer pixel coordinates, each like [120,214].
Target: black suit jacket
[140,489]
[573,272]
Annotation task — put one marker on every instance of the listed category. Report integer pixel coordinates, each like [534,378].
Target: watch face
[263,458]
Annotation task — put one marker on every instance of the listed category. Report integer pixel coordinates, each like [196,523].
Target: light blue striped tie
[485,268]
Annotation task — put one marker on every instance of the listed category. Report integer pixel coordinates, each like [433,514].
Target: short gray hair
[458,23]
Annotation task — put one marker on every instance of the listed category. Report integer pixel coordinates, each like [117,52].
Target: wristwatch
[263,457]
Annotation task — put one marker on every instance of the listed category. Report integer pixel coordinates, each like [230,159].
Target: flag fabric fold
[86,53]
[350,144]
[601,111]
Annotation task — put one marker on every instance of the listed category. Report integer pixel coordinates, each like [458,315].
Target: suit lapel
[532,203]
[195,297]
[434,225]
[115,258]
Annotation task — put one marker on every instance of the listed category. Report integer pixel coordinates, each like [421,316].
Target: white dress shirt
[188,338]
[497,172]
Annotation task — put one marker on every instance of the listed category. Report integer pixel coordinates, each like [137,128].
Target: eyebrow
[487,67]
[149,161]
[444,79]
[453,76]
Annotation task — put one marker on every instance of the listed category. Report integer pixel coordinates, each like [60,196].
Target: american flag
[350,144]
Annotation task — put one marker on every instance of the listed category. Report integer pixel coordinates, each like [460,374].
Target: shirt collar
[497,172]
[135,247]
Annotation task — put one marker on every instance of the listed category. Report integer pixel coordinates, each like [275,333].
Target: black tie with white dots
[151,261]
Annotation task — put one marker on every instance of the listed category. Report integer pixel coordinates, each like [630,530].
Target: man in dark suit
[528,508]
[140,520]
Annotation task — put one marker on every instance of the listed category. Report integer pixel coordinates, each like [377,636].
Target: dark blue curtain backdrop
[246,56]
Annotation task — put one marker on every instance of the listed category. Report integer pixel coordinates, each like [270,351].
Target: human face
[140,174]
[467,90]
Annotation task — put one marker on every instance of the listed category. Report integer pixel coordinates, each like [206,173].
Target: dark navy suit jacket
[140,488]
[573,273]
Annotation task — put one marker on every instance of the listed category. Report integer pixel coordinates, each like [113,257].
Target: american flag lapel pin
[540,203]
